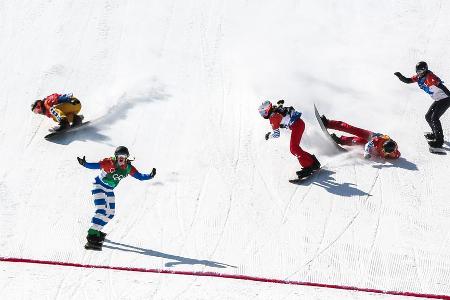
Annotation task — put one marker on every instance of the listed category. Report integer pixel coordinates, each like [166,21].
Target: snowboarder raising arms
[433,86]
[287,117]
[114,169]
[375,144]
[63,109]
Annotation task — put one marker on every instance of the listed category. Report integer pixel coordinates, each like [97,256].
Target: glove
[267,136]
[280,102]
[153,173]
[398,74]
[81,161]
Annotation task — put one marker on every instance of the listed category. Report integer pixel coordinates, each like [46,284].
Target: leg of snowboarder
[287,117]
[361,136]
[308,162]
[436,110]
[104,202]
[374,143]
[433,86]
[114,169]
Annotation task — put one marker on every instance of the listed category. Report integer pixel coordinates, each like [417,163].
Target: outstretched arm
[84,163]
[136,174]
[403,78]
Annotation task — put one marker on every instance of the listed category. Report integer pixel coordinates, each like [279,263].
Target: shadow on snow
[176,260]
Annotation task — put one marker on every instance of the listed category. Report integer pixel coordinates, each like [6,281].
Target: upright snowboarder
[375,144]
[63,109]
[287,117]
[433,86]
[114,169]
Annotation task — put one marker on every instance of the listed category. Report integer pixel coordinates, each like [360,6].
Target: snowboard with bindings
[305,179]
[325,131]
[93,246]
[55,134]
[434,150]
[95,243]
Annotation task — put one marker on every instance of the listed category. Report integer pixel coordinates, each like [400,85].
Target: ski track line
[227,276]
[343,231]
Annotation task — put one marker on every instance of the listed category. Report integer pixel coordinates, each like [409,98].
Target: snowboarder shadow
[176,260]
[400,162]
[345,189]
[87,133]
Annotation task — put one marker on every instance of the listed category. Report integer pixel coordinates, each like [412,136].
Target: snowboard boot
[324,120]
[305,172]
[336,139]
[94,240]
[93,243]
[77,120]
[63,125]
[436,143]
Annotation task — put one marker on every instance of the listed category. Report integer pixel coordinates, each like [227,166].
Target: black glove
[398,74]
[267,136]
[153,173]
[280,102]
[81,161]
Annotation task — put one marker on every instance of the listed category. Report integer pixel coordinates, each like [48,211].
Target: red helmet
[265,108]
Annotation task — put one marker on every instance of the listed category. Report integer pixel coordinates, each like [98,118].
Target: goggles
[122,158]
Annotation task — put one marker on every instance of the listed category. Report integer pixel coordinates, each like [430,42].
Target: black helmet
[34,104]
[389,146]
[121,150]
[421,68]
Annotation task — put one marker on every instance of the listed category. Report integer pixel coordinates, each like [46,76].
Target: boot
[93,243]
[77,120]
[63,125]
[324,120]
[305,172]
[436,143]
[336,139]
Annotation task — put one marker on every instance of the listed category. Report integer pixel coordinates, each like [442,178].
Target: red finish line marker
[229,276]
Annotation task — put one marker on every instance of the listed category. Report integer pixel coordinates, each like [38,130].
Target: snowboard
[91,246]
[434,150]
[325,131]
[305,179]
[439,151]
[55,134]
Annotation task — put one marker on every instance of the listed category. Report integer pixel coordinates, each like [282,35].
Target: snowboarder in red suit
[375,144]
[433,86]
[287,117]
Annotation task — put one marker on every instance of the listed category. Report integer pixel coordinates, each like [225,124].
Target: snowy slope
[179,83]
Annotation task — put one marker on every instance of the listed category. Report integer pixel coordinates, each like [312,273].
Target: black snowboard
[305,180]
[439,151]
[55,134]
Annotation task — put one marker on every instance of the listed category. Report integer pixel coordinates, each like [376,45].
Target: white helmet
[265,108]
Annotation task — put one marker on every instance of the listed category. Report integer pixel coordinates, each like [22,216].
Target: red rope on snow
[220,275]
